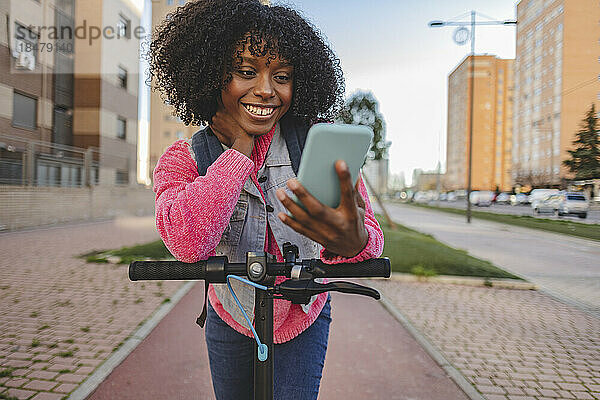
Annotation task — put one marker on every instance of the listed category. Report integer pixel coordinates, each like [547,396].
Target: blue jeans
[298,363]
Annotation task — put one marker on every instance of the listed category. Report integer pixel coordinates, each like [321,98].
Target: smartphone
[325,144]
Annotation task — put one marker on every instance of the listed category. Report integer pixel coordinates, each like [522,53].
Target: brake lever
[300,291]
[354,288]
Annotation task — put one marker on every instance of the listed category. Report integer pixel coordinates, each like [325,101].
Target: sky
[386,46]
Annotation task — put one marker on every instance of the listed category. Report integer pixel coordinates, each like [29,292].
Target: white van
[538,195]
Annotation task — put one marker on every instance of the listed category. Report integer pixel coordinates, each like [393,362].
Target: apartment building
[557,78]
[27,89]
[376,172]
[36,83]
[165,128]
[427,180]
[492,124]
[106,86]
[68,77]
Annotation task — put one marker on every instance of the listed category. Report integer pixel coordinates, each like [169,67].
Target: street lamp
[461,36]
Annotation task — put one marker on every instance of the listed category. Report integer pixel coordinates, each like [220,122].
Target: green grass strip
[587,231]
[409,251]
[154,250]
[414,252]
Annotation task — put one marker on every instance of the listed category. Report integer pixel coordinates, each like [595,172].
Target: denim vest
[247,226]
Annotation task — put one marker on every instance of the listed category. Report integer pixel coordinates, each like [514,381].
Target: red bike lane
[370,356]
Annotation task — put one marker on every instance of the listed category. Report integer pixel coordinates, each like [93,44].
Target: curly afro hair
[191,57]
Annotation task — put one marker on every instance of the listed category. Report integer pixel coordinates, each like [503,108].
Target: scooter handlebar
[215,269]
[373,268]
[171,270]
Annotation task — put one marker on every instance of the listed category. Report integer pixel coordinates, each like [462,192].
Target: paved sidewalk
[60,317]
[510,344]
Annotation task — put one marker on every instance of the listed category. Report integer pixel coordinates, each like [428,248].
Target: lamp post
[461,36]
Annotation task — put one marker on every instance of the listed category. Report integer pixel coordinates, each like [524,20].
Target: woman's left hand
[340,230]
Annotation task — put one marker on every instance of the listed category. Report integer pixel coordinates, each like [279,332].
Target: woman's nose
[264,86]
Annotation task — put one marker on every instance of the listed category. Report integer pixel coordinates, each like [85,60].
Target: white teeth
[259,110]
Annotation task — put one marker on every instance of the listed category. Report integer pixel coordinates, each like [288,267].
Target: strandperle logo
[84,31]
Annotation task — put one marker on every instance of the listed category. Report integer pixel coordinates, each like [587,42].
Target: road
[563,266]
[524,209]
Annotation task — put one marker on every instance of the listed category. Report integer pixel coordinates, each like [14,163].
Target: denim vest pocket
[233,231]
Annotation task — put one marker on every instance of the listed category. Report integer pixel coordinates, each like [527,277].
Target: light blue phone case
[325,144]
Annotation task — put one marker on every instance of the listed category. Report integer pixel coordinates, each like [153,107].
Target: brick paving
[61,317]
[509,344]
[563,265]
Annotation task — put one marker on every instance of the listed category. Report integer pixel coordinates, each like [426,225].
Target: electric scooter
[262,269]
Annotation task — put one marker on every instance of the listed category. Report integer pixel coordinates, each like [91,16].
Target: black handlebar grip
[166,270]
[374,268]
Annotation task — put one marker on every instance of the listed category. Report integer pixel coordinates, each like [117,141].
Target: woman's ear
[219,99]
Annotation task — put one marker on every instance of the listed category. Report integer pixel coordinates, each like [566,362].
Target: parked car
[482,198]
[573,203]
[549,204]
[538,195]
[422,197]
[519,198]
[503,198]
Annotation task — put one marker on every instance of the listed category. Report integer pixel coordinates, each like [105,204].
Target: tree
[585,158]
[363,109]
[536,180]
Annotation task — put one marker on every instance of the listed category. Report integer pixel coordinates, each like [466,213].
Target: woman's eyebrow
[279,63]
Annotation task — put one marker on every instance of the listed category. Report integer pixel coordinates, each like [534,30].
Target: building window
[179,135]
[25,47]
[121,128]
[24,111]
[181,2]
[123,26]
[121,177]
[122,77]
[167,134]
[169,2]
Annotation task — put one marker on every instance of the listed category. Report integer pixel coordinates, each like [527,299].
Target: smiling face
[259,93]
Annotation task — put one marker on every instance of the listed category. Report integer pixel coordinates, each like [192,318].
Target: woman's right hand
[230,133]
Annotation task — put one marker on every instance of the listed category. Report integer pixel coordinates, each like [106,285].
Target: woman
[258,76]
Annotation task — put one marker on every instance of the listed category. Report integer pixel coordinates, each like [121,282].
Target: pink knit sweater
[193,211]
